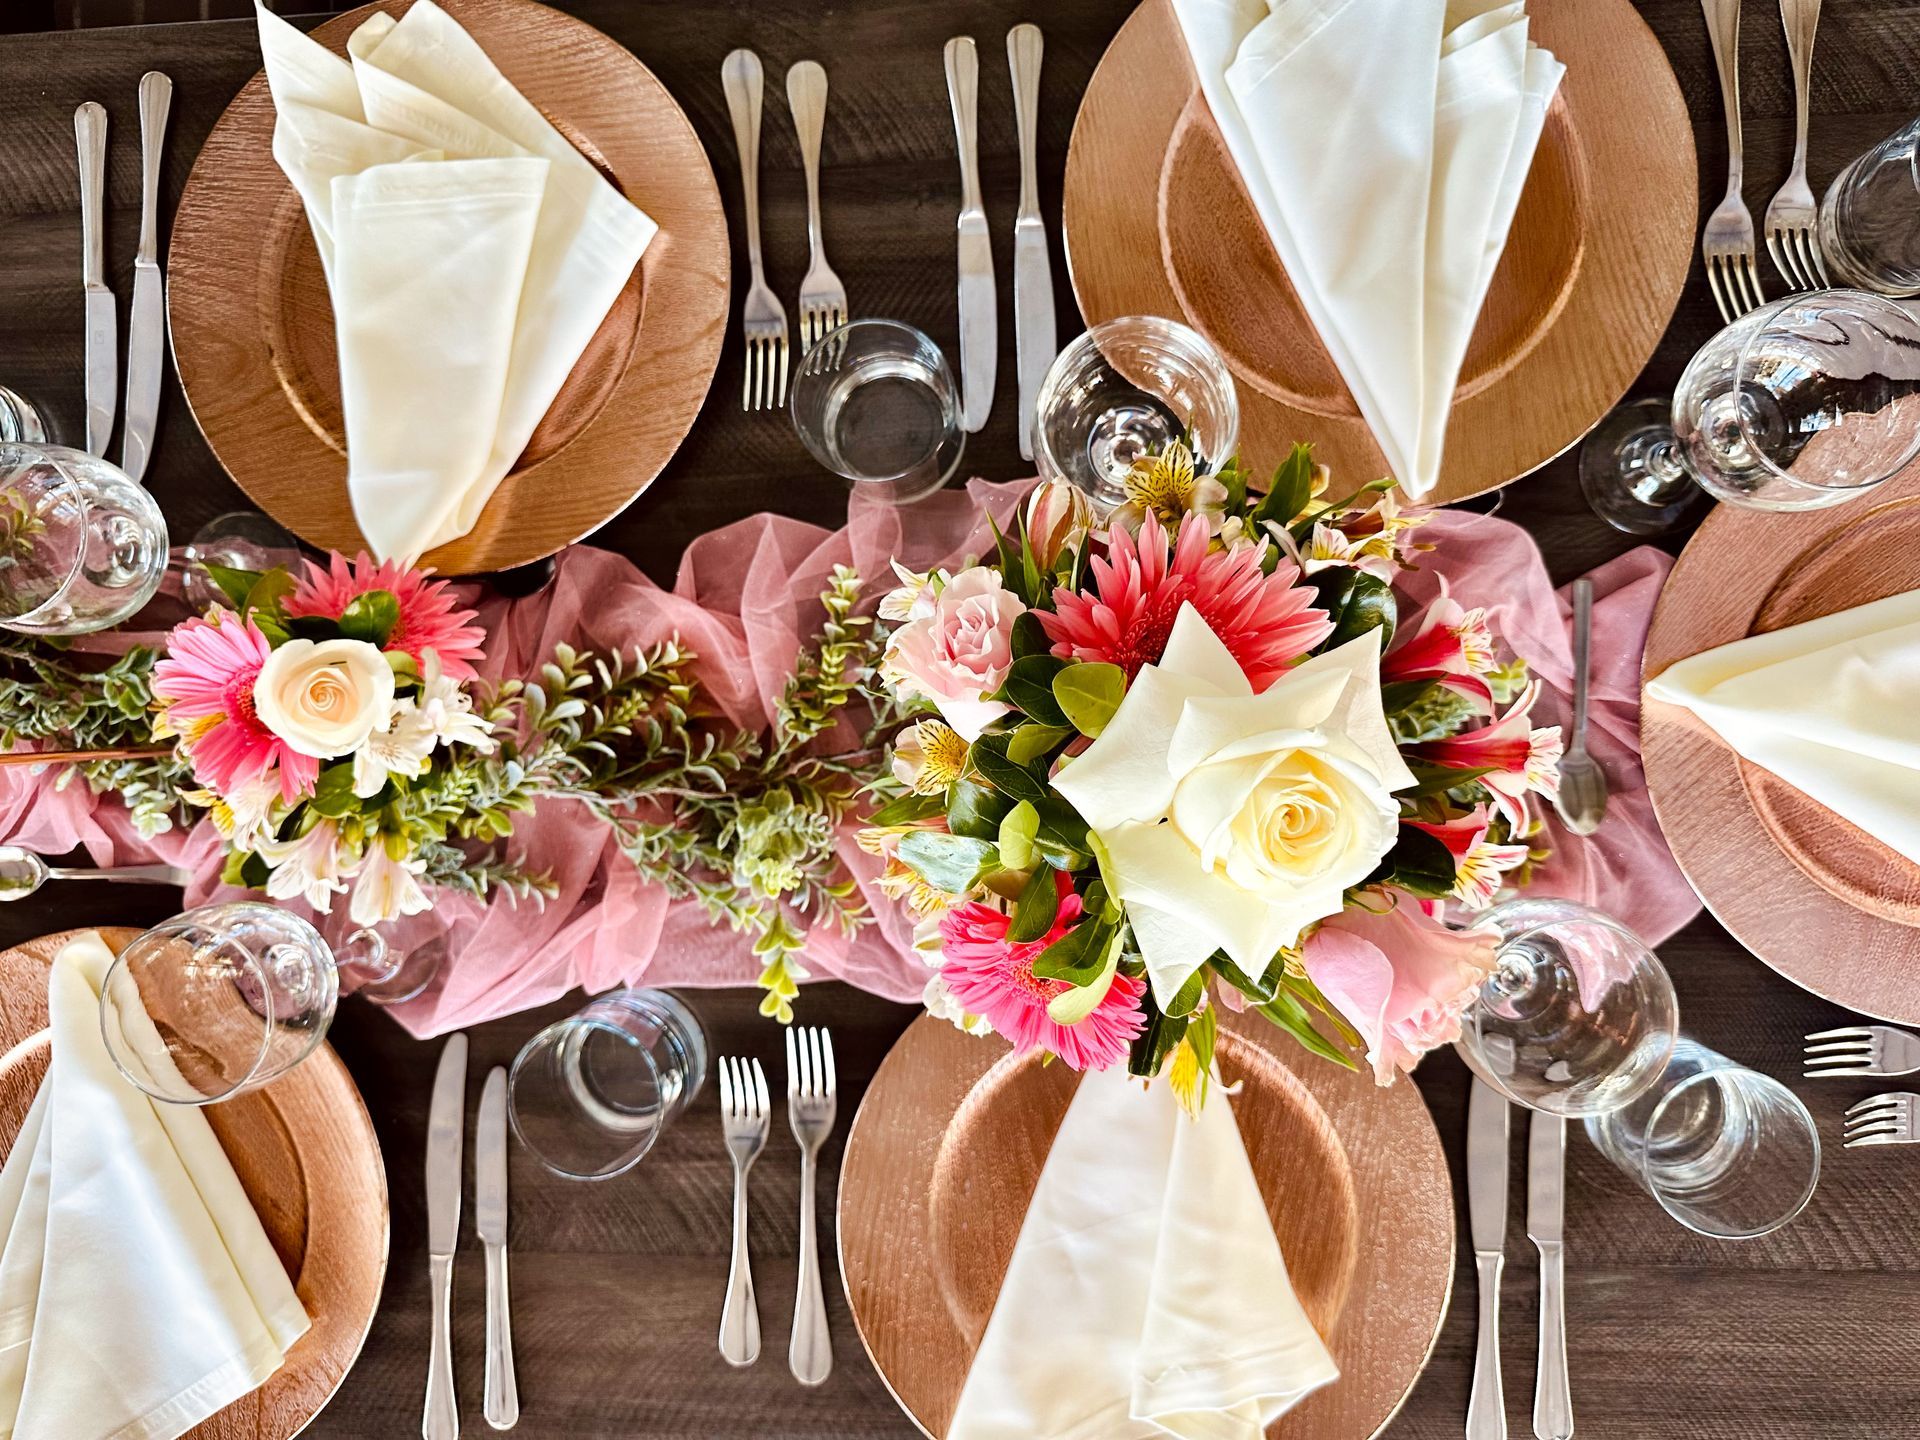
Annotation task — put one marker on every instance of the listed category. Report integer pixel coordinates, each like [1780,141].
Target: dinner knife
[1487,1213]
[103,323]
[502,1404]
[1033,342]
[979,331]
[147,322]
[1546,1204]
[446,1129]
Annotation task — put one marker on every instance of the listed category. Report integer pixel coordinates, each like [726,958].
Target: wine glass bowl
[82,547]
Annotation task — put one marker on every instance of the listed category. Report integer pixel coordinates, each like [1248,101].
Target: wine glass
[1126,389]
[875,403]
[18,418]
[238,540]
[82,547]
[1577,1018]
[1803,403]
[385,974]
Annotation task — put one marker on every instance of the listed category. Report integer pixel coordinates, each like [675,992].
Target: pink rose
[1403,980]
[958,652]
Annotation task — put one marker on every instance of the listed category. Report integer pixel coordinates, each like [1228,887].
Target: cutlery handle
[1487,1408]
[745,84]
[811,1352]
[807,95]
[90,135]
[124,874]
[740,1317]
[441,1421]
[502,1406]
[963,88]
[1723,29]
[1582,662]
[1800,18]
[1024,48]
[156,101]
[1552,1397]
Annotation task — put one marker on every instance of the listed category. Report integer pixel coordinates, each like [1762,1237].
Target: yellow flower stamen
[1163,484]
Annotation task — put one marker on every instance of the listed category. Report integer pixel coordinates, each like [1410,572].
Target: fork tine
[1830,1071]
[1750,268]
[782,342]
[1873,1120]
[762,1105]
[1878,1140]
[726,1089]
[1819,259]
[1719,293]
[1806,246]
[1893,1099]
[816,1073]
[1779,246]
[826,1049]
[1838,1049]
[793,1067]
[1845,1032]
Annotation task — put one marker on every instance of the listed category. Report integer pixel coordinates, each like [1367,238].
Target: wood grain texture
[303,1149]
[1593,268]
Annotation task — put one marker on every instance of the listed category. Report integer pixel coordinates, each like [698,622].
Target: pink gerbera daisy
[207,682]
[428,619]
[992,977]
[1266,621]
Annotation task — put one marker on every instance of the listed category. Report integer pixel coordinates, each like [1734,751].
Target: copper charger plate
[947,1147]
[1158,223]
[304,1150]
[252,326]
[1821,901]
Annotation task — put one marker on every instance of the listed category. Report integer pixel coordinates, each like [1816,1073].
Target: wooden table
[1809,1333]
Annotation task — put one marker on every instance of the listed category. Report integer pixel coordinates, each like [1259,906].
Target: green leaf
[267,596]
[1291,491]
[1070,1007]
[1356,602]
[1029,636]
[1015,838]
[1419,864]
[1034,911]
[1294,1018]
[905,809]
[1400,695]
[1029,688]
[1153,1044]
[1431,779]
[953,863]
[234,584]
[988,758]
[1089,694]
[1187,998]
[1304,526]
[1233,477]
[1031,742]
[1259,991]
[371,617]
[333,791]
[975,810]
[1077,956]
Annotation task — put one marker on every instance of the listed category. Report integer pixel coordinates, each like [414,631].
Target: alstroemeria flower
[1519,758]
[313,867]
[1481,864]
[1451,644]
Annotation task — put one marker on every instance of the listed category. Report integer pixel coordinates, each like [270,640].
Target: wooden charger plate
[946,1150]
[305,1152]
[252,326]
[1158,223]
[1818,899]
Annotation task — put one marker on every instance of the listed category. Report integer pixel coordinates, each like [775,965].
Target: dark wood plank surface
[1808,1333]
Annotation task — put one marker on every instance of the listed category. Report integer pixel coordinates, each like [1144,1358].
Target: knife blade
[1033,338]
[979,332]
[147,321]
[446,1134]
[103,321]
[1546,1207]
[1487,1217]
[502,1403]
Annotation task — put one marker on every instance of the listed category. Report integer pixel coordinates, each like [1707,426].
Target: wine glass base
[1620,488]
[411,978]
[238,540]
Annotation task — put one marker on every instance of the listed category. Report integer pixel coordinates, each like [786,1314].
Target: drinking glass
[1728,1152]
[589,1095]
[1578,1016]
[1807,402]
[875,403]
[1870,220]
[81,546]
[19,420]
[239,540]
[1125,389]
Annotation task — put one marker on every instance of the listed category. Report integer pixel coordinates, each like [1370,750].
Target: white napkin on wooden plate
[1386,174]
[138,1292]
[1828,706]
[471,253]
[1146,1296]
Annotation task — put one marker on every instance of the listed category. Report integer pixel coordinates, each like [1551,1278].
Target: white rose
[1231,820]
[324,699]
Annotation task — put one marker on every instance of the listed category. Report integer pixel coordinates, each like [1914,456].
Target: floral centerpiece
[1198,754]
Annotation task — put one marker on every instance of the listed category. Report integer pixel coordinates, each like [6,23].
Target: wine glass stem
[1659,474]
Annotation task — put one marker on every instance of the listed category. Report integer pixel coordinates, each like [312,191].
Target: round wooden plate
[947,1147]
[253,329]
[1158,223]
[305,1151]
[1818,899]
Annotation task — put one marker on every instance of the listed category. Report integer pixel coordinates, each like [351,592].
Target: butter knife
[979,330]
[1546,1205]
[1032,281]
[502,1406]
[446,1134]
[147,322]
[103,321]
[1487,1213]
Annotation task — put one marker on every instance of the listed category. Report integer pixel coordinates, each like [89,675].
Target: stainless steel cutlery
[1792,220]
[979,317]
[446,1136]
[1862,1050]
[1883,1120]
[811,1106]
[22,872]
[1728,244]
[103,320]
[762,321]
[1033,334]
[1487,1211]
[501,1405]
[823,299]
[1546,1213]
[744,1112]
[1582,799]
[147,320]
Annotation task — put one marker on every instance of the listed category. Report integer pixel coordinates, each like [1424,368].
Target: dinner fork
[1863,1050]
[1727,245]
[823,299]
[762,320]
[1792,238]
[1883,1120]
[811,1105]
[743,1121]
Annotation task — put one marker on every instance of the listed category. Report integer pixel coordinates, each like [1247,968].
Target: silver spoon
[1582,801]
[22,872]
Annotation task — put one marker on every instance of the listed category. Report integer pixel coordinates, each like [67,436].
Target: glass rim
[922,339]
[543,1044]
[179,926]
[1797,1107]
[76,493]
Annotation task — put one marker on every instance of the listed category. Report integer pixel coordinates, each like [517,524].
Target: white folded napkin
[1386,175]
[478,286]
[138,1292]
[1146,1296]
[1828,706]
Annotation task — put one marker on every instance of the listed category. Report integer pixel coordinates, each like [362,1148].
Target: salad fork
[743,1121]
[1728,243]
[1863,1050]
[811,1106]
[1792,239]
[762,321]
[1883,1120]
[823,299]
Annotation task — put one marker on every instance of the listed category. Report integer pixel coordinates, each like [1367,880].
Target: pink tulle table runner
[744,602]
